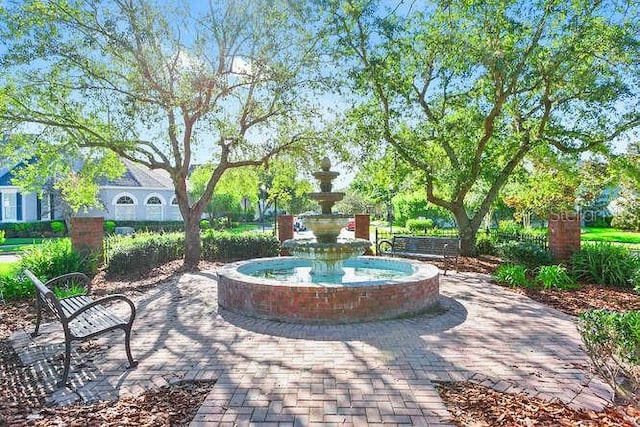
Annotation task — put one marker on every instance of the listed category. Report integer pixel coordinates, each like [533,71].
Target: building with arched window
[141,194]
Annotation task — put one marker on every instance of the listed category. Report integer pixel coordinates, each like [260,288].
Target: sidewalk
[5,258]
[377,372]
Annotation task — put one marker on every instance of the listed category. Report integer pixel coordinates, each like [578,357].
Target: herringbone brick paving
[272,373]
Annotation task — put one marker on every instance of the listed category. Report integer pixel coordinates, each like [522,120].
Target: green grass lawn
[242,228]
[19,244]
[7,267]
[611,235]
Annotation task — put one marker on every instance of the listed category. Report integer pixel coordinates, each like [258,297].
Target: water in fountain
[326,251]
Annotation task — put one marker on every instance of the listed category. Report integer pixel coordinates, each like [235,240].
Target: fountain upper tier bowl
[372,288]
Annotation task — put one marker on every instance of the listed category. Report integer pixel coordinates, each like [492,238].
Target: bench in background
[445,248]
[82,317]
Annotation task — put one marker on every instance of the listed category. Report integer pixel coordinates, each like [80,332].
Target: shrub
[48,260]
[56,257]
[10,287]
[28,229]
[486,244]
[628,217]
[512,275]
[110,227]
[635,281]
[153,226]
[600,222]
[142,252]
[225,247]
[69,291]
[58,227]
[2,238]
[415,205]
[555,276]
[605,264]
[417,225]
[205,224]
[612,341]
[509,226]
[524,253]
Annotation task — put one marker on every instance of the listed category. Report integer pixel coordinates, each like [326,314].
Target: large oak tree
[156,84]
[464,90]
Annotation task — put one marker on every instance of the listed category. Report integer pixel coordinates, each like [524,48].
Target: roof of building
[140,176]
[135,176]
[5,176]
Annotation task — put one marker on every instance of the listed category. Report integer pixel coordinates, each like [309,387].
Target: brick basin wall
[315,303]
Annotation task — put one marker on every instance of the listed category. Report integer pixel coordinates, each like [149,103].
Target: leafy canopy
[464,90]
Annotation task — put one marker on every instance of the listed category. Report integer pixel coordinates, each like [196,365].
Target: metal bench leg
[67,363]
[127,346]
[38,319]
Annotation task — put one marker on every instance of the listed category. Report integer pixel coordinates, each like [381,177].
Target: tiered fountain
[326,281]
[326,251]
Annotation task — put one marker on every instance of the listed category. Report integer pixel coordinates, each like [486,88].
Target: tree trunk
[192,247]
[467,231]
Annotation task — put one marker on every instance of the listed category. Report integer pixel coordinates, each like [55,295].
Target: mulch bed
[475,405]
[22,400]
[587,297]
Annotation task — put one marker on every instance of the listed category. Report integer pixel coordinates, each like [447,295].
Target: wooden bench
[82,317]
[445,248]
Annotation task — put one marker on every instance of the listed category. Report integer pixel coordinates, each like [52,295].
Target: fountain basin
[409,287]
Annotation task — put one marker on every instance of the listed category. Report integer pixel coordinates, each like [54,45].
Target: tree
[627,206]
[547,184]
[233,186]
[231,80]
[464,90]
[285,187]
[627,167]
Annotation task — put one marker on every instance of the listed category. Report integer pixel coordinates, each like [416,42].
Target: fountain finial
[325,164]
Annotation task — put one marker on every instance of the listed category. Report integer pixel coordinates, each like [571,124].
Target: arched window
[154,208]
[125,208]
[174,210]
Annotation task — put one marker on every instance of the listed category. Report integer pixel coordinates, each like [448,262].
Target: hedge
[56,228]
[145,251]
[225,247]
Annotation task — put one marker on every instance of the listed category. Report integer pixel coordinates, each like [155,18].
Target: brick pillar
[285,230]
[564,235]
[87,234]
[362,229]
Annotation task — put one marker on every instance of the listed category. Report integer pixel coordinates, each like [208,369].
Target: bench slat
[92,321]
[72,304]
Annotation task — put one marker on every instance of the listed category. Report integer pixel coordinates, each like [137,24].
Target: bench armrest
[68,277]
[444,251]
[102,301]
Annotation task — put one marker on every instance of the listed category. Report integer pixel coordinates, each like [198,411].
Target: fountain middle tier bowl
[326,258]
[372,288]
[326,227]
[342,249]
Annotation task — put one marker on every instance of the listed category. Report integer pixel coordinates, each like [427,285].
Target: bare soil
[22,401]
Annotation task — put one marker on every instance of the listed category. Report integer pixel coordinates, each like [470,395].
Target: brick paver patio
[370,373]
